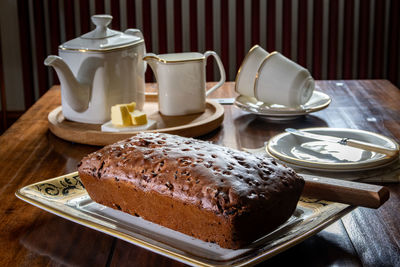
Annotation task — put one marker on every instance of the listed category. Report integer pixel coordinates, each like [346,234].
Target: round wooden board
[90,134]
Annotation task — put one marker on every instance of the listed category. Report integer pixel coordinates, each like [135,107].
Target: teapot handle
[138,33]
[135,32]
[221,71]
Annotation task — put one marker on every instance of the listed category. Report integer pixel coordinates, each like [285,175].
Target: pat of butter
[120,115]
[138,117]
[131,106]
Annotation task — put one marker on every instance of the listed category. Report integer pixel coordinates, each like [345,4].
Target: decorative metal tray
[66,196]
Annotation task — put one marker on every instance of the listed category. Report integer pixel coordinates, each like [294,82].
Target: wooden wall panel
[26,64]
[317,39]
[394,44]
[348,39]
[69,20]
[333,38]
[100,7]
[378,40]
[302,33]
[287,28]
[239,32]
[363,44]
[271,25]
[255,22]
[209,21]
[40,44]
[162,27]
[178,25]
[131,13]
[193,26]
[225,35]
[146,13]
[3,95]
[274,20]
[115,12]
[84,13]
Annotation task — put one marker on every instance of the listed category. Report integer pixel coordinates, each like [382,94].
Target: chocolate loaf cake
[210,192]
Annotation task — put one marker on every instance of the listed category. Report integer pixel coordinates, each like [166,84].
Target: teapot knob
[101,31]
[101,21]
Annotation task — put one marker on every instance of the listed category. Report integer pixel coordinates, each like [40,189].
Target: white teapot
[98,70]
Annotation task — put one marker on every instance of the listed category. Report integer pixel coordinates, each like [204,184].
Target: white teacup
[181,79]
[281,81]
[246,74]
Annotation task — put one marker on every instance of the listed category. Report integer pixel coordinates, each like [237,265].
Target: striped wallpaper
[334,39]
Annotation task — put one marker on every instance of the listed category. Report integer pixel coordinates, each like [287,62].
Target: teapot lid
[103,38]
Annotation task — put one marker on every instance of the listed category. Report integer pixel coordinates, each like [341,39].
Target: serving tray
[66,197]
[91,134]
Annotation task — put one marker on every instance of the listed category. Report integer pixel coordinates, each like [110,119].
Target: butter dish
[109,127]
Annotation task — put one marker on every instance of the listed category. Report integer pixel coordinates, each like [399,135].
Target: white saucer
[318,101]
[320,155]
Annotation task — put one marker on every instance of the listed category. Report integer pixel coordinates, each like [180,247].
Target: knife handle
[371,147]
[347,192]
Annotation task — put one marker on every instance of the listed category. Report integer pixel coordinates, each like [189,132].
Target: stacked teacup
[274,79]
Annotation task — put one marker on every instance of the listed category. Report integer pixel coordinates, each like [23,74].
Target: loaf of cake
[210,192]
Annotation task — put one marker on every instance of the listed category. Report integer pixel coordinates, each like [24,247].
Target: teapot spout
[76,94]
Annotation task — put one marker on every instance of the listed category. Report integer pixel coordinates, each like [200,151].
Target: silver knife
[345,142]
[224,101]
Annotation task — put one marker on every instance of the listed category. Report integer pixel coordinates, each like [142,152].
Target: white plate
[314,154]
[65,196]
[318,101]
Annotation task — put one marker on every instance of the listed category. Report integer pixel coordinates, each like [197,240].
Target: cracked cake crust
[211,192]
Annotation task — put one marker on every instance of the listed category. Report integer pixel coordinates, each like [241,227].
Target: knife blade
[345,141]
[224,101]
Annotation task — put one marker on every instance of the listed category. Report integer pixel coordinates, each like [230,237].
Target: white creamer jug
[181,79]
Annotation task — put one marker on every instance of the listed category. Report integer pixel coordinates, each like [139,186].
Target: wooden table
[30,153]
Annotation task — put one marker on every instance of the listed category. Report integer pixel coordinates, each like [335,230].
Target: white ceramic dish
[318,101]
[246,75]
[313,154]
[181,81]
[279,80]
[66,197]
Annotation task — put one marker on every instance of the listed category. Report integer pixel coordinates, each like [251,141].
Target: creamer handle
[221,71]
